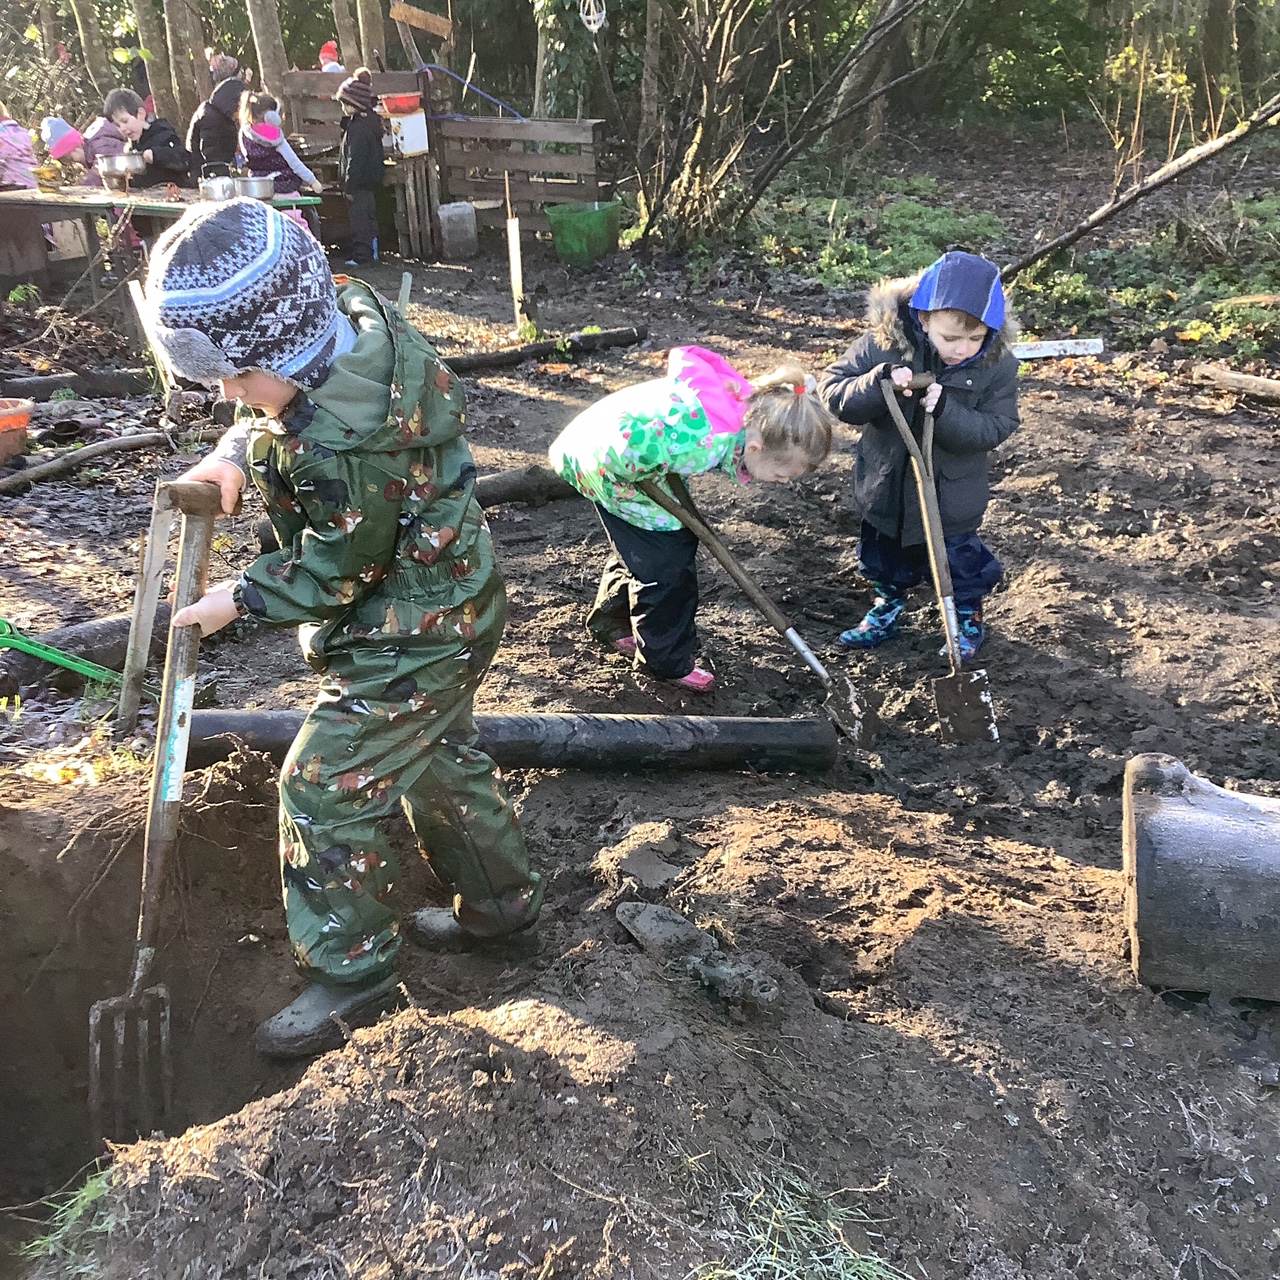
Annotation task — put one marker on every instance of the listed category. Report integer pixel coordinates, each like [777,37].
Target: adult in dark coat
[975,409]
[214,129]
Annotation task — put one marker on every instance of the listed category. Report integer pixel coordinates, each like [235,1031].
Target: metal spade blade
[965,710]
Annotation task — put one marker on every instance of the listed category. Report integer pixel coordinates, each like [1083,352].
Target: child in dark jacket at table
[949,321]
[360,162]
[156,140]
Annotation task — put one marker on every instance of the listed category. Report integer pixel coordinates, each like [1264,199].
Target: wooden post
[513,257]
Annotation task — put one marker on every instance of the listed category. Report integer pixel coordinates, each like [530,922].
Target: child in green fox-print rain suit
[385,564]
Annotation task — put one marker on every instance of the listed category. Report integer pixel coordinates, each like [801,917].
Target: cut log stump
[1202,883]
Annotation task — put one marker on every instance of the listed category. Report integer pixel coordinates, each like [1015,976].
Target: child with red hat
[328,60]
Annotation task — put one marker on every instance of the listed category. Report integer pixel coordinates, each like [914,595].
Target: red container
[14,416]
[402,104]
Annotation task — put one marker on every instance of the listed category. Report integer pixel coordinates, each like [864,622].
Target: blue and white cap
[236,286]
[962,282]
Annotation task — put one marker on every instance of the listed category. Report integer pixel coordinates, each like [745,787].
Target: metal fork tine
[144,1075]
[118,1063]
[166,1061]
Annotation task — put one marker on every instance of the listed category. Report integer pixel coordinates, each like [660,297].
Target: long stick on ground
[78,457]
[1265,115]
[575,344]
[1243,383]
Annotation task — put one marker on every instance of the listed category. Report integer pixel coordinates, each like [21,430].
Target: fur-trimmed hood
[885,304]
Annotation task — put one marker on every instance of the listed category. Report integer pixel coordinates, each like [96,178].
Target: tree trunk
[180,70]
[372,30]
[540,76]
[49,28]
[151,36]
[264,21]
[872,73]
[1249,52]
[92,46]
[348,37]
[199,59]
[1216,46]
[649,80]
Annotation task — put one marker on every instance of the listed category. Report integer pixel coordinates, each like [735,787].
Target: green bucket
[583,232]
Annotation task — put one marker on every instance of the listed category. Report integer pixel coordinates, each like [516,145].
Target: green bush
[844,242]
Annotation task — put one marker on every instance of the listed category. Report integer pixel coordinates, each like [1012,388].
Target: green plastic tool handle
[11,638]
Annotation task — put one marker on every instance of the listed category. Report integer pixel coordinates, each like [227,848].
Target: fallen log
[1201,866]
[76,458]
[119,383]
[103,640]
[575,344]
[1245,383]
[603,742]
[534,486]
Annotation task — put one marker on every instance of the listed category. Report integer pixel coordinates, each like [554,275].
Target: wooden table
[22,214]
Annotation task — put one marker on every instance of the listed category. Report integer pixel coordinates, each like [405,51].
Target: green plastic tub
[583,232]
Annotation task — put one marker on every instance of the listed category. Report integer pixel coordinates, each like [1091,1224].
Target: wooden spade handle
[689,517]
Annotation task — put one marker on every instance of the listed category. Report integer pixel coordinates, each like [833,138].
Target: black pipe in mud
[602,742]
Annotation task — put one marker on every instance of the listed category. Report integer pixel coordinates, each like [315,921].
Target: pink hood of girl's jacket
[268,134]
[720,389]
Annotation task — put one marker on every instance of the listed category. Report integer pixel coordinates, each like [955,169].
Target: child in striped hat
[385,565]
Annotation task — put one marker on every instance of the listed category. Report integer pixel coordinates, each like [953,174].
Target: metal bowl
[128,162]
[116,171]
[256,188]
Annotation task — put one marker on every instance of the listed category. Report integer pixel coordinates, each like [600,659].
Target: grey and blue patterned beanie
[236,286]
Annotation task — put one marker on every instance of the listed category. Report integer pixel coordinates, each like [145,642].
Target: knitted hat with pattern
[236,286]
[356,92]
[59,137]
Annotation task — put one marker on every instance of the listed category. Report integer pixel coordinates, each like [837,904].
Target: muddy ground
[962,1065]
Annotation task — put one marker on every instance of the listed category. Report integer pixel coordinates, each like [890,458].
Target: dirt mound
[959,1040]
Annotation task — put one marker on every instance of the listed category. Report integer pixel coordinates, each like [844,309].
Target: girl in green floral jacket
[703,416]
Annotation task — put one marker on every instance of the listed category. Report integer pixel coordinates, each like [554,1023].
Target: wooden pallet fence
[549,161]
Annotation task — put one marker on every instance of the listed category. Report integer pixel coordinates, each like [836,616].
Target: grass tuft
[774,1226]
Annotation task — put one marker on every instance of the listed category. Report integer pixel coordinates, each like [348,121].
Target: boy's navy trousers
[974,570]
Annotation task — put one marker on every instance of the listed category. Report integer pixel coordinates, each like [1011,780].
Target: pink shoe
[697,681]
[626,645]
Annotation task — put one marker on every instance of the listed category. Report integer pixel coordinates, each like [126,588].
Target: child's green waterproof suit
[387,566]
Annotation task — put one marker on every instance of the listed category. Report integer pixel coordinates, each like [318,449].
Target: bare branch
[1171,172]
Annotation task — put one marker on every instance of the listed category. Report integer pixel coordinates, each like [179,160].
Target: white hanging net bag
[593,14]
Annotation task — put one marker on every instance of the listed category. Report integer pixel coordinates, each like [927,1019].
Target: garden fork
[142,1014]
